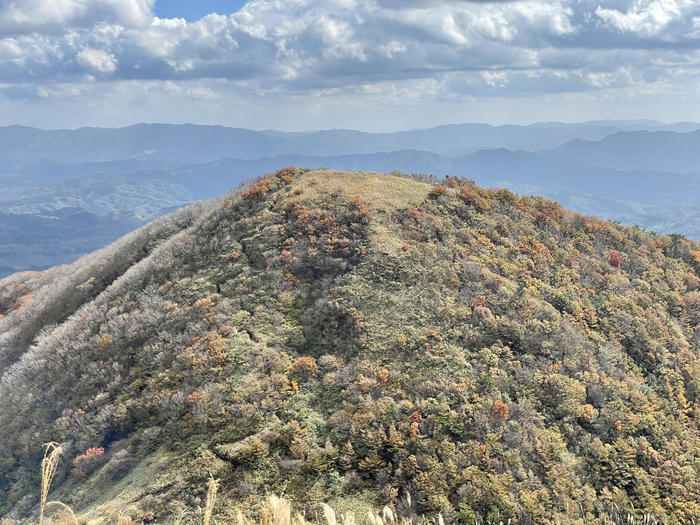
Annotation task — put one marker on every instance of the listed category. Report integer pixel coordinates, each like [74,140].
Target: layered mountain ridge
[635,172]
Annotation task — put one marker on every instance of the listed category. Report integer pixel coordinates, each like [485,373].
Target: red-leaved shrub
[499,410]
[614,259]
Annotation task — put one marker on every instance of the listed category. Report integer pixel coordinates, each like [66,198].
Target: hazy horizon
[612,121]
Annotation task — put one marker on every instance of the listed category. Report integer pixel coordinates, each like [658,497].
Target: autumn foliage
[93,452]
[479,300]
[306,367]
[499,410]
[474,197]
[614,259]
[87,462]
[194,398]
[502,367]
[258,190]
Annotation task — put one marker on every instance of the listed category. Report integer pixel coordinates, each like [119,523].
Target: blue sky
[195,9]
[376,65]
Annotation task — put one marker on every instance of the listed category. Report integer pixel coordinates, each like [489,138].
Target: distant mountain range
[170,145]
[37,241]
[658,150]
[636,172]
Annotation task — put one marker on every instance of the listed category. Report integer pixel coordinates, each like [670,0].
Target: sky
[193,10]
[376,65]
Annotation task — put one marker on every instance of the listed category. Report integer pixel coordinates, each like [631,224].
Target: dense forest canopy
[352,338]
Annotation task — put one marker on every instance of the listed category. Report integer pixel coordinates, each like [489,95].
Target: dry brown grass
[213,487]
[48,471]
[277,511]
[64,516]
[179,516]
[383,193]
[380,191]
[329,515]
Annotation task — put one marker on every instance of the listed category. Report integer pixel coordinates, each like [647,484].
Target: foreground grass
[276,510]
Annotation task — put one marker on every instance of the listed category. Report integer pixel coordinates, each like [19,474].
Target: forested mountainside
[352,338]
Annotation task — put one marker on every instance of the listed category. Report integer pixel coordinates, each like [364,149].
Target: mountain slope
[142,194]
[351,338]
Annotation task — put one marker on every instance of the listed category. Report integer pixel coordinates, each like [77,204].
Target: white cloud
[97,60]
[648,17]
[26,16]
[442,49]
[302,40]
[313,44]
[10,49]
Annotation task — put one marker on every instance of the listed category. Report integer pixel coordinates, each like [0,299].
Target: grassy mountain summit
[352,338]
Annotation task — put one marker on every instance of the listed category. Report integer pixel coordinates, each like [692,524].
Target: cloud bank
[446,49]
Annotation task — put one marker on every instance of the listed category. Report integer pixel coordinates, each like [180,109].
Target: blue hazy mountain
[117,179]
[629,150]
[147,191]
[38,241]
[163,145]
